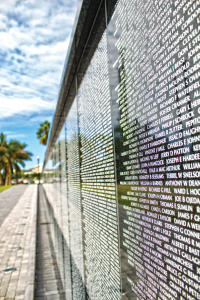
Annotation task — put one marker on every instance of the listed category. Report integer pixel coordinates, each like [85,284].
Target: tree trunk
[8,175]
[1,179]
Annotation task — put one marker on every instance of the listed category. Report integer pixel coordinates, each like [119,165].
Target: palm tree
[17,156]
[12,156]
[43,132]
[3,155]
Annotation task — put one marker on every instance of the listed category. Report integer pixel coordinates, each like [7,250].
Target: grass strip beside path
[3,188]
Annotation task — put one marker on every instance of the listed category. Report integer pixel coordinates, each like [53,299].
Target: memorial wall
[122,183]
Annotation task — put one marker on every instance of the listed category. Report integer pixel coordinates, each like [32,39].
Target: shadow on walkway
[48,283]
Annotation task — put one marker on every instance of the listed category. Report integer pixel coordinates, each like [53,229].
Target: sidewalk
[48,284]
[17,248]
[9,198]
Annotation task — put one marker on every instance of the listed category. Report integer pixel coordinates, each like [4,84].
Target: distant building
[36,169]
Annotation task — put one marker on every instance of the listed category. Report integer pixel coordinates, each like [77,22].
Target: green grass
[3,188]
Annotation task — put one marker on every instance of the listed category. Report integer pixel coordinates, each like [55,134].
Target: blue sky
[34,38]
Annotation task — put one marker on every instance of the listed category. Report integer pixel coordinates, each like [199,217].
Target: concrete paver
[9,198]
[48,281]
[17,245]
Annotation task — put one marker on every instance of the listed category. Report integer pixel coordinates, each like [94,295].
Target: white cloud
[39,119]
[13,135]
[19,36]
[10,107]
[7,41]
[56,48]
[34,38]
[5,5]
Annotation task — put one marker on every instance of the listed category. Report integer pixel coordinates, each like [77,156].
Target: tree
[3,156]
[43,132]
[12,157]
[17,156]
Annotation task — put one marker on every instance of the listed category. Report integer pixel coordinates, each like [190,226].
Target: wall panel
[124,180]
[98,182]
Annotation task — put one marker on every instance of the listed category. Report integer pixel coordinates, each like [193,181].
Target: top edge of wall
[89,25]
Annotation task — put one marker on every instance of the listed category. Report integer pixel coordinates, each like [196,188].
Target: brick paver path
[17,243]
[9,198]
[48,283]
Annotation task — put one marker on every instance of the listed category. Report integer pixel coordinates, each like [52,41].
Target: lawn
[3,188]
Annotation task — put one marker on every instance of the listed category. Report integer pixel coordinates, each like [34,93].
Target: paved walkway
[48,283]
[17,243]
[9,198]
